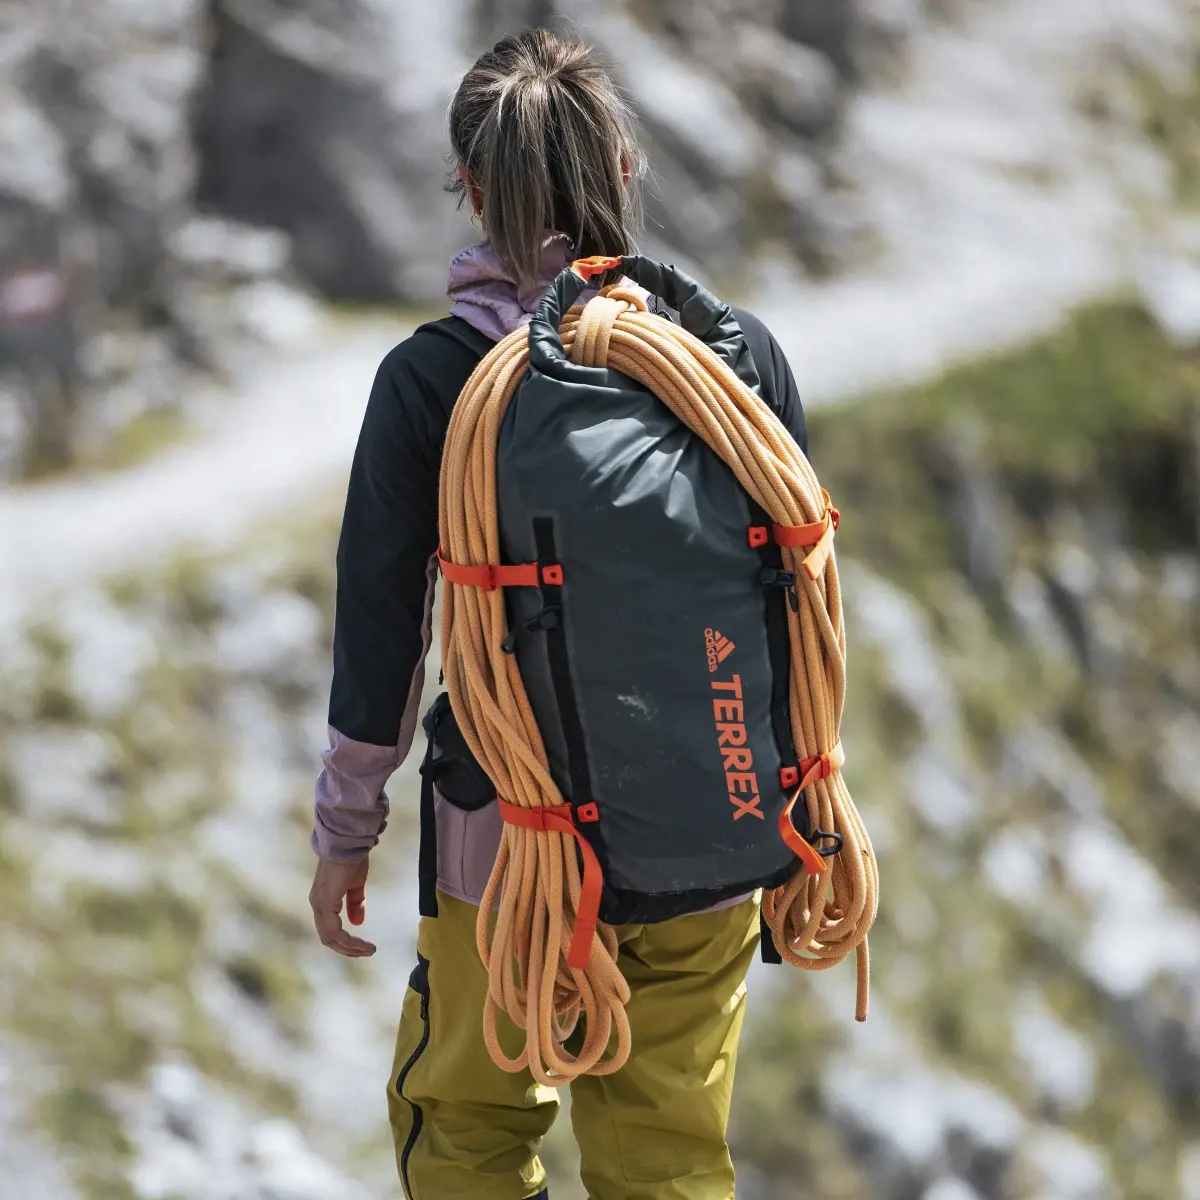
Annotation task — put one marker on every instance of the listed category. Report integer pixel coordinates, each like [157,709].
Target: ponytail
[542,129]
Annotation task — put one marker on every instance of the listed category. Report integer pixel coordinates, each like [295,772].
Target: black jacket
[389,530]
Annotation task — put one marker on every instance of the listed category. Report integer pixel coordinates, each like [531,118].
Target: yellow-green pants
[655,1130]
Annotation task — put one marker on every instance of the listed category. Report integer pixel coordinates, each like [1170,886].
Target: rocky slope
[1022,581]
[172,171]
[1020,547]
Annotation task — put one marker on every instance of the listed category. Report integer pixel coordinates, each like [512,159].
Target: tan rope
[816,920]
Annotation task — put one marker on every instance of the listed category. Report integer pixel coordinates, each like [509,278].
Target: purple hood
[484,295]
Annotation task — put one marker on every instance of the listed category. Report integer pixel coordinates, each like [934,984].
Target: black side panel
[449,762]
[775,600]
[560,669]
[427,856]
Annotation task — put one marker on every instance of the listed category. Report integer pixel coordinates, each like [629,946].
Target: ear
[626,173]
[474,191]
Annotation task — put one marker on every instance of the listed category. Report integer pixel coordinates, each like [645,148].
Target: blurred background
[974,225]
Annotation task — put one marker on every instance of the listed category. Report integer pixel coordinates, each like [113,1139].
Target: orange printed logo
[729,716]
[719,649]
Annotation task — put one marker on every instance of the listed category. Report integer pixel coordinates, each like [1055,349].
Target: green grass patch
[139,440]
[1170,113]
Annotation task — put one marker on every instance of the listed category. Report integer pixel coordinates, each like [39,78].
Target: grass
[1170,117]
[137,441]
[1095,417]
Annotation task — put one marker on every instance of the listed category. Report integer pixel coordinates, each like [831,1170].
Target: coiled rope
[824,912]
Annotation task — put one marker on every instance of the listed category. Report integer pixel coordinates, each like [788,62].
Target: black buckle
[820,835]
[777,577]
[546,619]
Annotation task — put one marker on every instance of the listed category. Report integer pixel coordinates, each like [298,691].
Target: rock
[983,514]
[827,27]
[1189,1172]
[34,155]
[861,37]
[158,155]
[230,250]
[787,84]
[951,1189]
[296,128]
[691,113]
[29,1166]
[289,1170]
[97,173]
[1060,1063]
[1057,1164]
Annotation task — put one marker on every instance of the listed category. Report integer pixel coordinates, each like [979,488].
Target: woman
[547,157]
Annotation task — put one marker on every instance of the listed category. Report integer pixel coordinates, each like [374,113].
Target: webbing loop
[820,766]
[490,576]
[818,534]
[560,818]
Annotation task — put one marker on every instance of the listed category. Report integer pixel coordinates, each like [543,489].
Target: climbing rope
[549,962]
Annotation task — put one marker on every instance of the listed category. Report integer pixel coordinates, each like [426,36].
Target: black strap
[560,670]
[427,858]
[780,651]
[766,943]
[778,644]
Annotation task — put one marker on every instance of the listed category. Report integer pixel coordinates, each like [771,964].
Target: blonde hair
[545,133]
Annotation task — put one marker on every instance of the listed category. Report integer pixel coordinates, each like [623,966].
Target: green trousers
[655,1130]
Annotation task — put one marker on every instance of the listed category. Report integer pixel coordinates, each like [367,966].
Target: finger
[333,935]
[356,905]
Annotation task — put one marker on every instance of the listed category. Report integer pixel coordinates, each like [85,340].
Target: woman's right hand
[333,884]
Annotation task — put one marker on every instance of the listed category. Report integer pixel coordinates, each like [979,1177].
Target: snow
[28,1166]
[1068,1169]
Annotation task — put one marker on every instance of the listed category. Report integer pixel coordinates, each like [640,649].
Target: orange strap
[819,767]
[811,534]
[490,576]
[585,268]
[560,818]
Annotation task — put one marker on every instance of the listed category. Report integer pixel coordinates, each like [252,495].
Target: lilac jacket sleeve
[351,807]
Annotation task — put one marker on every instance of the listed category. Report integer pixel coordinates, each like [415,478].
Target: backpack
[636,627]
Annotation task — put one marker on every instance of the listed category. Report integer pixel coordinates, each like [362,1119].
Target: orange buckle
[757,535]
[789,776]
[587,812]
[553,575]
[585,268]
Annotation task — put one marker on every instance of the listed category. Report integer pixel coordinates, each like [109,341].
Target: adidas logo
[719,648]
